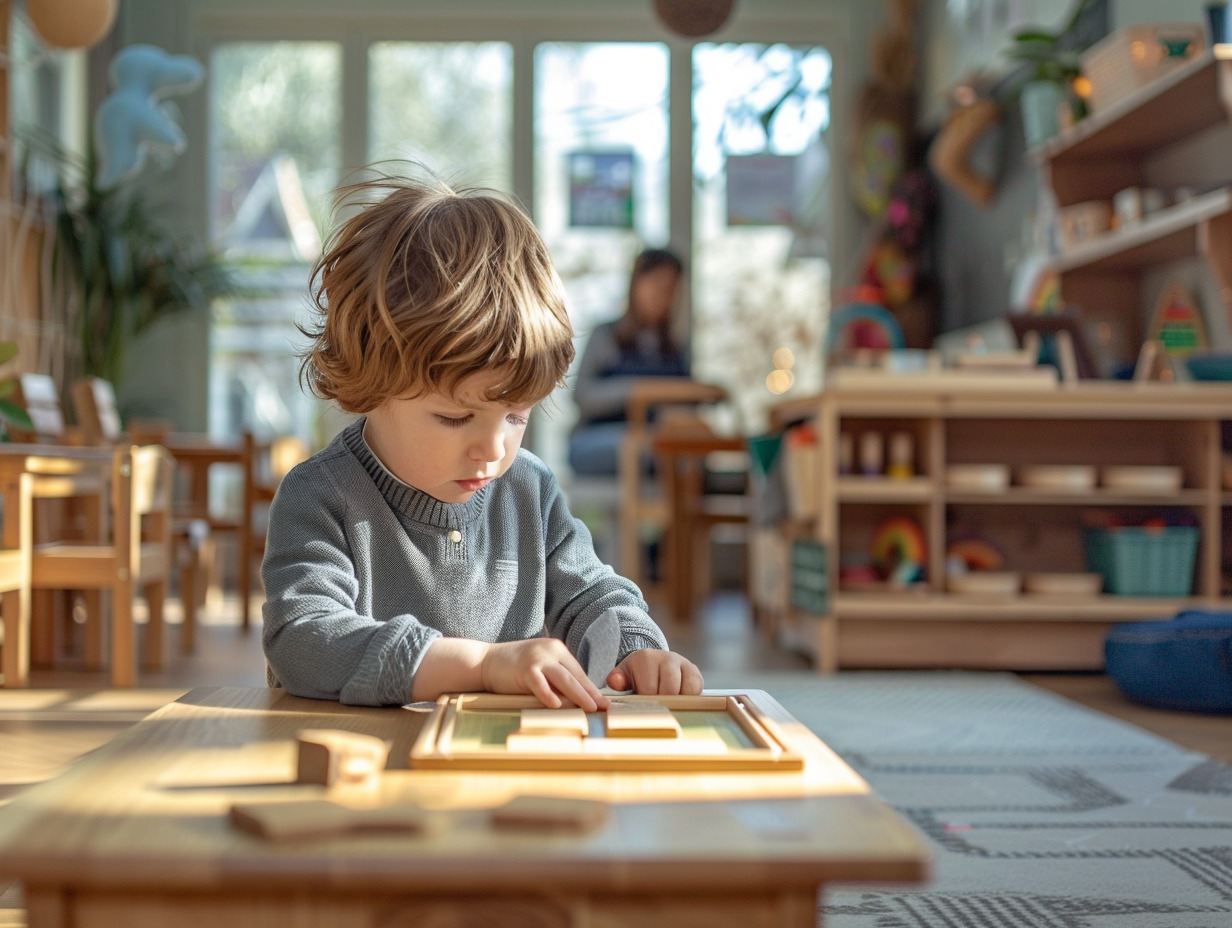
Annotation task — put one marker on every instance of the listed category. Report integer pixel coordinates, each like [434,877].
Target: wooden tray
[467,732]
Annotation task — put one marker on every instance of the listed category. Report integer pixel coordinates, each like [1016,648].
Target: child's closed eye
[454,423]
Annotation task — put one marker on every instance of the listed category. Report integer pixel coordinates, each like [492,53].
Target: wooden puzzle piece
[562,721]
[317,818]
[641,719]
[328,756]
[545,813]
[543,742]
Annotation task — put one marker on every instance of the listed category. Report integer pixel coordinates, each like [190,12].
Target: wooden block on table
[571,721]
[641,719]
[550,812]
[317,818]
[543,742]
[328,756]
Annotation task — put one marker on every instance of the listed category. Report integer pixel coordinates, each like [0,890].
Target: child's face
[446,445]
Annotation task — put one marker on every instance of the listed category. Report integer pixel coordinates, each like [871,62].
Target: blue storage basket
[1182,663]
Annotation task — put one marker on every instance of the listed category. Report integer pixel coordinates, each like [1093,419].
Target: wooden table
[680,458]
[195,455]
[136,834]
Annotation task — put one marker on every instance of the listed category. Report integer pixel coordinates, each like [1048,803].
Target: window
[274,132]
[445,105]
[761,164]
[601,130]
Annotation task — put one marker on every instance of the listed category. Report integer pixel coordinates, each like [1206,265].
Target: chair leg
[190,583]
[93,655]
[123,636]
[155,599]
[43,628]
[16,639]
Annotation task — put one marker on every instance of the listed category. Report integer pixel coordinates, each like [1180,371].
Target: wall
[174,372]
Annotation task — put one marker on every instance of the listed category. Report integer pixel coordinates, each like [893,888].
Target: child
[423,552]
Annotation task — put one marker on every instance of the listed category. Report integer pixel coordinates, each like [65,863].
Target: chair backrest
[98,415]
[38,395]
[153,468]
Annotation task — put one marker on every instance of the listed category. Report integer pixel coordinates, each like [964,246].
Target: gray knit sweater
[363,573]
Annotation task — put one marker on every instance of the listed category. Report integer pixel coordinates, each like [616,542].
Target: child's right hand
[542,667]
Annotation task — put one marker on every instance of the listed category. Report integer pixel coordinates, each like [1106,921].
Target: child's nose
[488,448]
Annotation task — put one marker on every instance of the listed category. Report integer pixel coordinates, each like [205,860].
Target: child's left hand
[656,673]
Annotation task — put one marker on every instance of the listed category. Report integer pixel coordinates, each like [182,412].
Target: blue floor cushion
[1181,663]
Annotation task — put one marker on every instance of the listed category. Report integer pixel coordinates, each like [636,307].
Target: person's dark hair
[651,259]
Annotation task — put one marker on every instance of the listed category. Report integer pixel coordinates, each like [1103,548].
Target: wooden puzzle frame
[444,744]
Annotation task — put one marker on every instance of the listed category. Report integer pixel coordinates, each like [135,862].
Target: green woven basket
[1142,561]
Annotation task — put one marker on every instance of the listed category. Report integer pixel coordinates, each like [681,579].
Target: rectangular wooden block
[641,720]
[550,812]
[572,721]
[317,818]
[545,742]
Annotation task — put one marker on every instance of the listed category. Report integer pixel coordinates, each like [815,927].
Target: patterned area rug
[1042,813]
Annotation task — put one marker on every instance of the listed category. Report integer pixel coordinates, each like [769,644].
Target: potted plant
[1049,67]
[117,265]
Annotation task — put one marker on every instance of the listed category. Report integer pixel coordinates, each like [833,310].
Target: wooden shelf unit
[1135,143]
[1089,423]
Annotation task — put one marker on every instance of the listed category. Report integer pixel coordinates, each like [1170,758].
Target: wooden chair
[98,414]
[39,396]
[98,417]
[15,585]
[77,513]
[271,461]
[653,403]
[137,556]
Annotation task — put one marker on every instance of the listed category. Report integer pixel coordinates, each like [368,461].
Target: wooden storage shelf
[1090,423]
[1146,140]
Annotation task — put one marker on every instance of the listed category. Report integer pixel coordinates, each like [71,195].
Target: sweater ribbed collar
[414,504]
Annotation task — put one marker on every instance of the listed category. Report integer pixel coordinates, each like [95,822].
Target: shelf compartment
[884,489]
[968,607]
[1105,152]
[1168,235]
[1026,496]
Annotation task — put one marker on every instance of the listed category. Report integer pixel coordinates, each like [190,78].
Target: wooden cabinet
[1173,133]
[1092,424]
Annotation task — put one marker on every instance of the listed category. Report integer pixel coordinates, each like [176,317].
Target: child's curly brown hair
[427,284]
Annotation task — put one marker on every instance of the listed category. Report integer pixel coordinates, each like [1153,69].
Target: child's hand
[542,667]
[656,673]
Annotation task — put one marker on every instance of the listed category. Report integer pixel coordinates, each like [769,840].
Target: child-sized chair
[137,556]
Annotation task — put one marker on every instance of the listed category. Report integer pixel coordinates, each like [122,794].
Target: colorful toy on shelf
[899,550]
[862,326]
[902,455]
[872,454]
[973,553]
[1177,322]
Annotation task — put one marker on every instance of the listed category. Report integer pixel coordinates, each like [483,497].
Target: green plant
[11,415]
[119,266]
[1054,55]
